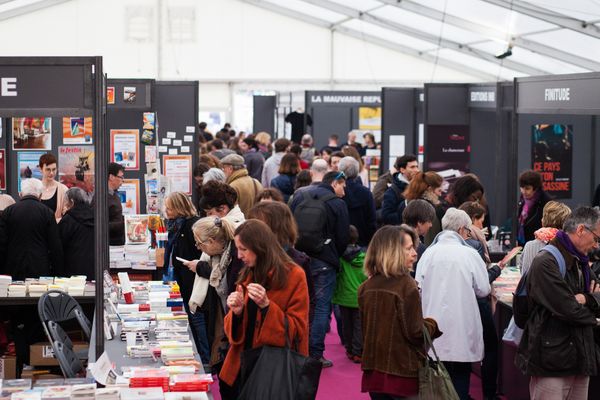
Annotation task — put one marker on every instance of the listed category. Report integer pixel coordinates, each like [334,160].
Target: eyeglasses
[596,237]
[121,177]
[468,230]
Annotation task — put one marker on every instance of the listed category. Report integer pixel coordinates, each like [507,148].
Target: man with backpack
[323,226]
[407,167]
[563,295]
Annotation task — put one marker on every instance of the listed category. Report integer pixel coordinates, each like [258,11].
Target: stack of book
[57,393]
[26,395]
[84,391]
[117,258]
[17,289]
[90,289]
[149,393]
[176,351]
[36,289]
[149,378]
[5,281]
[15,385]
[190,383]
[76,285]
[111,393]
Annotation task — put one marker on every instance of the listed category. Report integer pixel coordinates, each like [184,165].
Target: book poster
[129,193]
[552,157]
[110,95]
[2,169]
[448,149]
[136,229]
[76,167]
[77,130]
[28,166]
[369,118]
[178,168]
[125,148]
[32,133]
[129,94]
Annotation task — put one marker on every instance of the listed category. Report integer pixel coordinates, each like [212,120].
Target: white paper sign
[150,154]
[166,141]
[172,151]
[186,138]
[185,149]
[397,147]
[171,134]
[102,370]
[190,129]
[178,168]
[177,142]
[162,149]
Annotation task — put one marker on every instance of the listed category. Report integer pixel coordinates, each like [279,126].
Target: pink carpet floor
[342,381]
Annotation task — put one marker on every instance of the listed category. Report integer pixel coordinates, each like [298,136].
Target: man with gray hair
[557,348]
[29,241]
[359,200]
[451,276]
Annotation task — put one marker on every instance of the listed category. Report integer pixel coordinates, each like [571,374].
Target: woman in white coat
[451,275]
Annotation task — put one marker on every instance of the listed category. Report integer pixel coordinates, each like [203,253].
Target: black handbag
[278,373]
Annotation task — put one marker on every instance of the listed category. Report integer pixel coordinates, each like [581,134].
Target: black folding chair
[62,346]
[58,306]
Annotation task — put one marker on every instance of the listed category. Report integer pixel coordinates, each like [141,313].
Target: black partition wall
[466,130]
[54,103]
[402,113]
[264,115]
[555,132]
[337,112]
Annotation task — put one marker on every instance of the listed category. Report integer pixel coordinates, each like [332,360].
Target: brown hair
[351,151]
[181,204]
[530,178]
[47,159]
[289,164]
[555,214]
[272,263]
[279,218]
[211,160]
[419,184]
[473,208]
[385,255]
[270,193]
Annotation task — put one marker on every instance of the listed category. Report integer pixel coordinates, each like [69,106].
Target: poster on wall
[136,229]
[28,166]
[178,168]
[2,169]
[448,150]
[110,95]
[129,93]
[125,148]
[397,148]
[552,157]
[129,193]
[77,130]
[76,167]
[32,133]
[369,118]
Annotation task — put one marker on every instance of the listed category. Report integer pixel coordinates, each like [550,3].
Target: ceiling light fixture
[507,53]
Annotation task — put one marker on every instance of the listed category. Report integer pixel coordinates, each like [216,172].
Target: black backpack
[521,303]
[311,218]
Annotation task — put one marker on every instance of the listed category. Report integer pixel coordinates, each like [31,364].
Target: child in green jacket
[349,278]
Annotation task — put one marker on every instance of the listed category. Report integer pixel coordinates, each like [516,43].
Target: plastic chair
[62,346]
[58,306]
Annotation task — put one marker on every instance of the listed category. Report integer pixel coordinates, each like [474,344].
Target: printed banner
[76,167]
[77,130]
[32,133]
[136,229]
[28,166]
[448,149]
[369,118]
[125,148]
[552,156]
[129,193]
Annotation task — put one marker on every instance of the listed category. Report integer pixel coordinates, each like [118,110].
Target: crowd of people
[283,237]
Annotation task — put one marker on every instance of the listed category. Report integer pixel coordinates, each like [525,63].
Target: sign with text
[448,148]
[552,157]
[343,97]
[482,96]
[45,86]
[574,95]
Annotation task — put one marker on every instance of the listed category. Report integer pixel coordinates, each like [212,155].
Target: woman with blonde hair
[181,216]
[264,143]
[554,215]
[391,317]
[215,275]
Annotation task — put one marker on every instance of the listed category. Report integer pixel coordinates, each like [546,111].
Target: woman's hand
[235,301]
[259,294]
[191,265]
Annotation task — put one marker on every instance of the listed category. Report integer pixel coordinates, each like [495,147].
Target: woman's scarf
[545,234]
[173,228]
[565,240]
[219,264]
[527,206]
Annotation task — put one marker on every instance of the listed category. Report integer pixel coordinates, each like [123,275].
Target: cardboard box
[8,367]
[41,354]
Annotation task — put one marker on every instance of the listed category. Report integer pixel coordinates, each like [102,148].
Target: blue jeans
[323,277]
[198,327]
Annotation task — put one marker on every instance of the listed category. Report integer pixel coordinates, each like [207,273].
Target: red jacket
[291,301]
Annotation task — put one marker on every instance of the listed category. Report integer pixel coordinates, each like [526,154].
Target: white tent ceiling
[545,36]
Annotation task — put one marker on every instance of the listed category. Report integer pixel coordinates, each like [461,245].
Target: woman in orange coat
[270,288]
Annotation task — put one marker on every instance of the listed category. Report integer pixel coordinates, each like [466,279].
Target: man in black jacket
[558,349]
[407,167]
[29,239]
[325,264]
[116,223]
